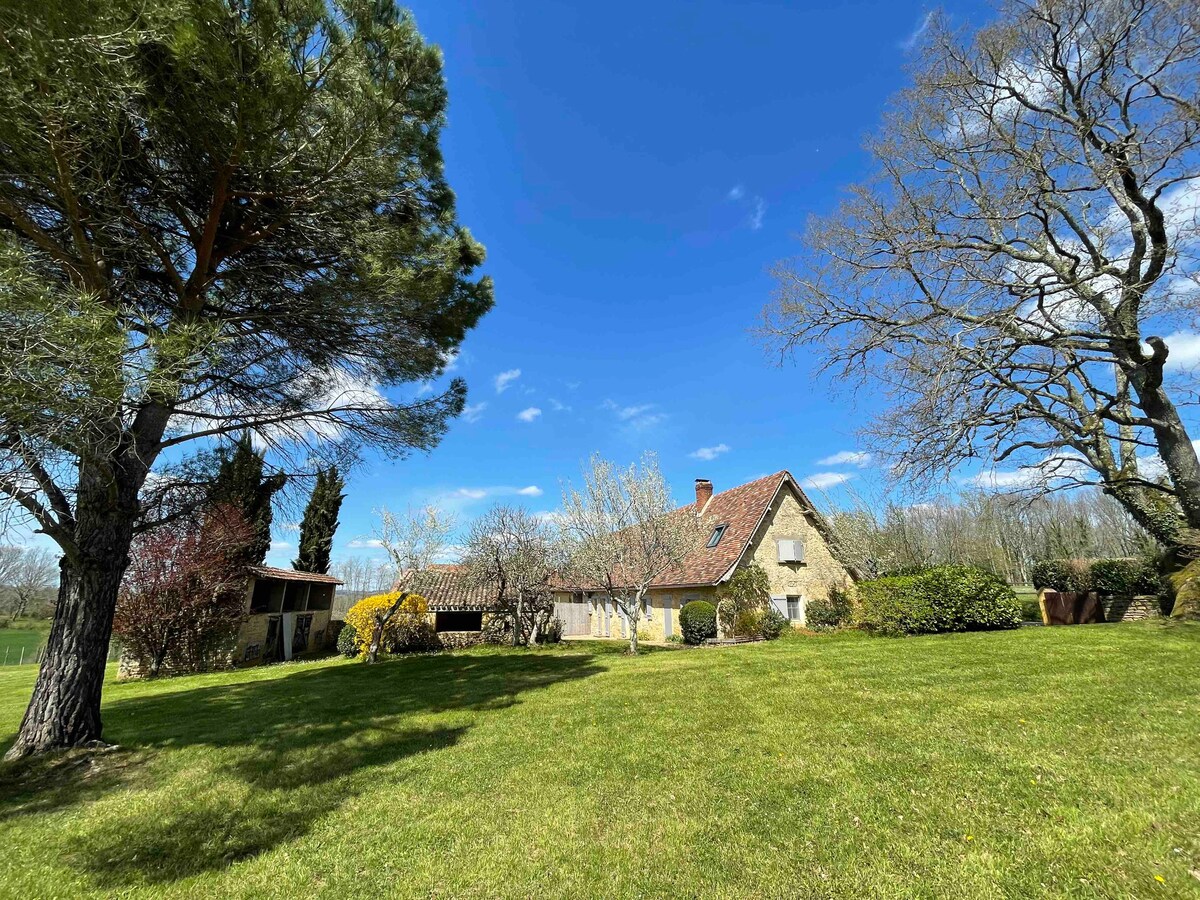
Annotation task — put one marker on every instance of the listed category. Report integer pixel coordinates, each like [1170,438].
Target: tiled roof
[740,509]
[448,588]
[292,575]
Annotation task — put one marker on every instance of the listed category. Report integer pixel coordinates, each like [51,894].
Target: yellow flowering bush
[407,629]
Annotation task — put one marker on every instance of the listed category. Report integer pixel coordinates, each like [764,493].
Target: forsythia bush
[406,628]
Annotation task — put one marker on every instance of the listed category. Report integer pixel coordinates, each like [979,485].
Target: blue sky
[634,169]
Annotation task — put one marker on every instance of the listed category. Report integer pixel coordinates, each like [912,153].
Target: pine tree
[320,522]
[218,216]
[240,483]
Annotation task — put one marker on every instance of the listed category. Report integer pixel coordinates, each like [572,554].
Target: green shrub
[772,623]
[698,621]
[1125,577]
[347,641]
[748,623]
[941,599]
[1031,610]
[834,612]
[1062,575]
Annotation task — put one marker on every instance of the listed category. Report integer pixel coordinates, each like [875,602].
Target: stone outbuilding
[287,615]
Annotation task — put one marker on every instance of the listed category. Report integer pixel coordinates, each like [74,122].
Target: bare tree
[362,576]
[36,573]
[414,542]
[1030,233]
[519,554]
[1003,533]
[624,532]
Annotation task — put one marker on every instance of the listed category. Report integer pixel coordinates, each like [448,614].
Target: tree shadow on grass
[285,753]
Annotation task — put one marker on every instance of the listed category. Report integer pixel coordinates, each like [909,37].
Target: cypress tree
[320,522]
[240,484]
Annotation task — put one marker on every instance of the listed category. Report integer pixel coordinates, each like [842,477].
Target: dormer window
[715,537]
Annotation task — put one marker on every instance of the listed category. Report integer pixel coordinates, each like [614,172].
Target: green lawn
[22,636]
[1039,762]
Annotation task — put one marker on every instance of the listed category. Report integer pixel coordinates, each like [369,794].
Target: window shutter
[780,604]
[798,551]
[781,550]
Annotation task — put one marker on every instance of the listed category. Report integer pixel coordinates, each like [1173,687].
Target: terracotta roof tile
[739,509]
[447,587]
[292,575]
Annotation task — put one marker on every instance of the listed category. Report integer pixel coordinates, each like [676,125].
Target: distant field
[27,637]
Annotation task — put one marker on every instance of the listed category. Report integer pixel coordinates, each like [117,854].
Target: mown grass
[22,636]
[1040,762]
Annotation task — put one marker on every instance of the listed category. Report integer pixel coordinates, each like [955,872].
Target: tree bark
[64,710]
[1171,435]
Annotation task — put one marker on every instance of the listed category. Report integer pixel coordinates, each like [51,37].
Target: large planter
[1070,607]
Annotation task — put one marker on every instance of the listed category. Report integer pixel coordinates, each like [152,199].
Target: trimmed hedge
[1062,575]
[1126,577]
[698,621]
[940,599]
[1120,577]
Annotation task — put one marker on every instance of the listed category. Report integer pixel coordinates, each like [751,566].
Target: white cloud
[451,553]
[707,453]
[638,417]
[823,480]
[450,361]
[472,412]
[363,543]
[471,493]
[1184,347]
[504,379]
[917,33]
[1056,468]
[528,415]
[425,388]
[280,545]
[532,491]
[757,213]
[737,192]
[847,458]
[558,405]
[625,413]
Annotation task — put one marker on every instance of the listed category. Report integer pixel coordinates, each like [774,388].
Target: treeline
[1004,534]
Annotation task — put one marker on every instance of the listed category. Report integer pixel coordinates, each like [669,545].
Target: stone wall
[1130,609]
[810,579]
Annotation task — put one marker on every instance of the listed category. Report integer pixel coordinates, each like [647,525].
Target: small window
[793,608]
[715,537]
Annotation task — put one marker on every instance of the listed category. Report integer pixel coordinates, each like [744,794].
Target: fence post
[22,662]
[6,649]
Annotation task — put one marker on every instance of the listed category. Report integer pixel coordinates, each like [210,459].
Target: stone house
[287,615]
[769,521]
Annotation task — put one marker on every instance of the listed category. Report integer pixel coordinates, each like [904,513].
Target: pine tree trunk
[65,708]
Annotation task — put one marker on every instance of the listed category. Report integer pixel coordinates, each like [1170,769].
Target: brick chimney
[703,492]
